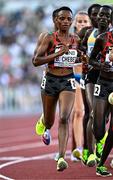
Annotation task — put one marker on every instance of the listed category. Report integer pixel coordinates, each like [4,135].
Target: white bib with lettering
[66,60]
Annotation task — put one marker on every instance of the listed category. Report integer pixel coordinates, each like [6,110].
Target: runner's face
[104,17]
[64,20]
[81,21]
[93,16]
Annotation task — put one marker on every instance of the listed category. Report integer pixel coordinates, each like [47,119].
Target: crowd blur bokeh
[19,80]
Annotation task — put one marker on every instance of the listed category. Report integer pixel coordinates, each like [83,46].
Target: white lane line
[5,177]
[23,159]
[10,158]
[26,146]
[45,156]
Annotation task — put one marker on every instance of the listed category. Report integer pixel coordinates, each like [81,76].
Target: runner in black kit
[87,84]
[103,88]
[59,51]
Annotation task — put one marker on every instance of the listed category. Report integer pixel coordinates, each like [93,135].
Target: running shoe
[104,138]
[40,128]
[91,161]
[85,155]
[46,137]
[102,171]
[77,153]
[57,156]
[74,159]
[61,164]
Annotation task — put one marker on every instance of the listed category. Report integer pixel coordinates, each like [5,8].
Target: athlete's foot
[74,159]
[46,137]
[61,164]
[102,171]
[91,160]
[77,153]
[40,128]
[57,156]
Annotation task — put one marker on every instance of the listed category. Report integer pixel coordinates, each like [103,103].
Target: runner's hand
[84,58]
[64,49]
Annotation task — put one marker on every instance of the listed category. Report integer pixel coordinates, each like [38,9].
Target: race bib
[96,90]
[66,60]
[73,83]
[43,83]
[82,83]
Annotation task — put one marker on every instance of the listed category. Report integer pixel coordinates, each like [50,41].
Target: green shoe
[61,164]
[40,128]
[102,171]
[99,149]
[85,155]
[91,160]
[104,138]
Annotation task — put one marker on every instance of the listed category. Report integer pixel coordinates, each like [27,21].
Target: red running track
[24,157]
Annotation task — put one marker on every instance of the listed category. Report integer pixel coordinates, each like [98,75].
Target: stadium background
[23,156]
[20,24]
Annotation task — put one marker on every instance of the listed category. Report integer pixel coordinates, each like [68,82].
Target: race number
[43,83]
[73,83]
[82,83]
[96,90]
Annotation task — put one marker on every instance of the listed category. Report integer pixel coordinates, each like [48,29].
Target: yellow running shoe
[91,160]
[61,164]
[77,153]
[40,128]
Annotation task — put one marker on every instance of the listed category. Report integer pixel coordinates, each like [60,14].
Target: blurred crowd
[19,80]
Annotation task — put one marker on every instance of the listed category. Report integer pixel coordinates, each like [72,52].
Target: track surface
[23,156]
